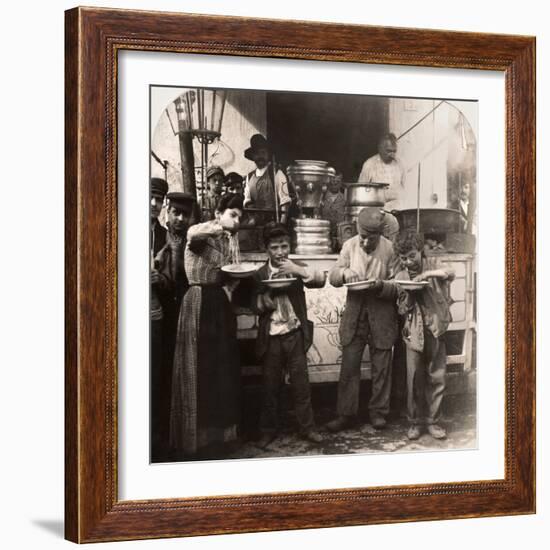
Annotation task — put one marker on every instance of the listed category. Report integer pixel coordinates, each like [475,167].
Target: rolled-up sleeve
[282,188]
[336,274]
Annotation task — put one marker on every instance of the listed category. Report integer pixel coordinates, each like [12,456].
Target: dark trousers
[160,388]
[426,380]
[350,375]
[398,396]
[286,353]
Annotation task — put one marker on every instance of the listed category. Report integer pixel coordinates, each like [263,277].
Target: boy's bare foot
[437,432]
[413,432]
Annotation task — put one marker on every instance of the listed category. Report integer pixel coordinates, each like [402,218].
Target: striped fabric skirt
[206,376]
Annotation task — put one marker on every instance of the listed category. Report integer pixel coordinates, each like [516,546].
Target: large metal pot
[432,220]
[310,179]
[365,194]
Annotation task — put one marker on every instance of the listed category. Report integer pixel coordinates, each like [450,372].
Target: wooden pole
[274,173]
[187,157]
[418,201]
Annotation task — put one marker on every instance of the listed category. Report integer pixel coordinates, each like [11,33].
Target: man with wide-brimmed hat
[214,188]
[171,284]
[265,187]
[370,316]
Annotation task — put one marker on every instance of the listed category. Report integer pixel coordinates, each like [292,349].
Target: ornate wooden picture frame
[94,37]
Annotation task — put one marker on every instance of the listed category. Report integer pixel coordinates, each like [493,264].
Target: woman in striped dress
[206,375]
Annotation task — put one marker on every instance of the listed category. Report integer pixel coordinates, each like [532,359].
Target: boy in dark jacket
[426,319]
[284,334]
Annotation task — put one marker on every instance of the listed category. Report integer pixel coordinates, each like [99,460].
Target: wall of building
[432,145]
[244,115]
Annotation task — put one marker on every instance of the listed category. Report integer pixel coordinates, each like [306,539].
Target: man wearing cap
[159,188]
[260,191]
[214,188]
[386,168]
[171,284]
[234,183]
[369,317]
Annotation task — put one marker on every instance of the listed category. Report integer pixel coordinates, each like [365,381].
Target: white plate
[360,285]
[279,283]
[412,285]
[239,271]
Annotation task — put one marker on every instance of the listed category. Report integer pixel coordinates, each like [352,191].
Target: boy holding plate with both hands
[426,319]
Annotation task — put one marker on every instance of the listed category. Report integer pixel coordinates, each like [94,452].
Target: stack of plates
[312,237]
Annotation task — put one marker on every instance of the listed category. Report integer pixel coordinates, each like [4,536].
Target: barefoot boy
[426,318]
[284,334]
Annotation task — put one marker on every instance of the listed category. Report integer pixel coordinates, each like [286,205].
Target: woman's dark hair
[405,241]
[274,230]
[229,200]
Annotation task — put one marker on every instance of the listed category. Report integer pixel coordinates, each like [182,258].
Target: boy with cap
[157,239]
[170,283]
[159,188]
[214,188]
[332,207]
[284,334]
[370,316]
[426,319]
[234,183]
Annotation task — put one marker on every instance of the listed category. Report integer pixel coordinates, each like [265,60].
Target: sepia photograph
[313,273]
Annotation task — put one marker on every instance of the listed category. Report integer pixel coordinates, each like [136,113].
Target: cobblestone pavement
[459,420]
[365,439]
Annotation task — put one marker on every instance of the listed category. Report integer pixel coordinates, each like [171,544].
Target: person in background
[426,319]
[284,334]
[170,283]
[332,207]
[214,188]
[370,316]
[464,204]
[206,375]
[157,240]
[234,183]
[159,188]
[260,191]
[384,167]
